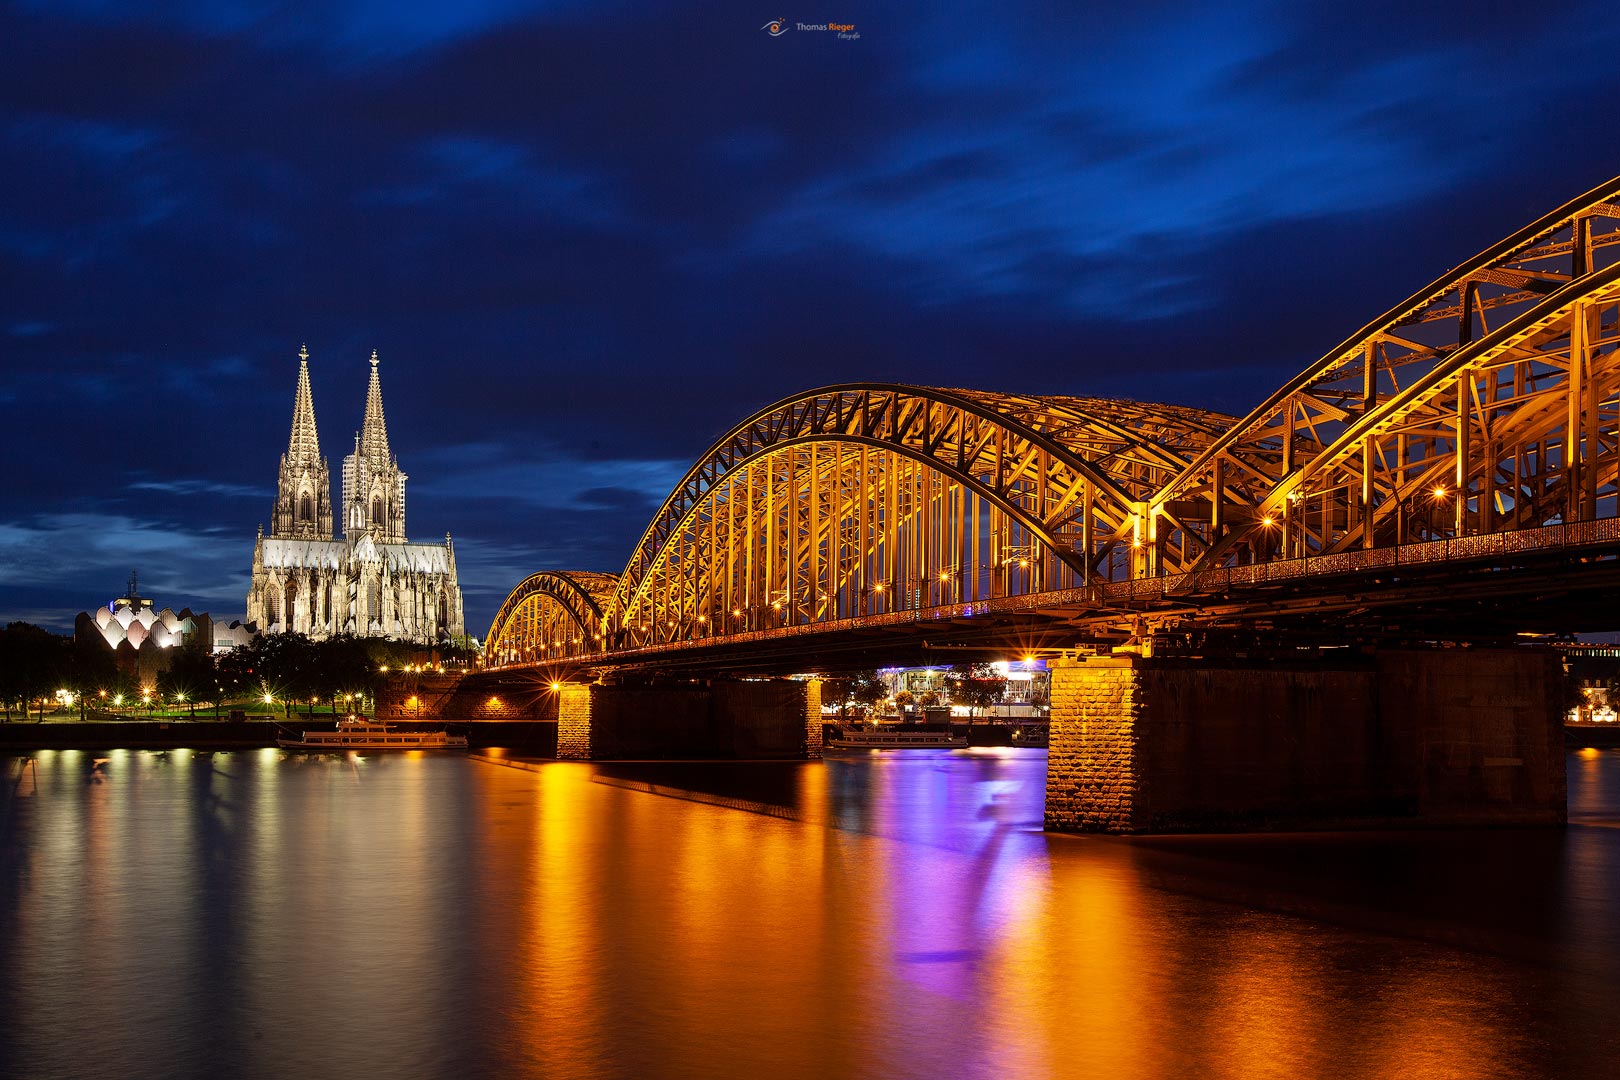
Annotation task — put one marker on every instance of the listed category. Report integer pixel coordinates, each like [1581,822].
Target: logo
[776,27]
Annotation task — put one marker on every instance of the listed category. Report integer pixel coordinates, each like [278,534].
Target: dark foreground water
[899,915]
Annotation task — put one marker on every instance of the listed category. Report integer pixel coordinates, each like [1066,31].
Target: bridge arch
[553,614]
[1466,388]
[872,497]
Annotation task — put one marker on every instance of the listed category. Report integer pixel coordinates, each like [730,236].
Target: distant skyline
[587,239]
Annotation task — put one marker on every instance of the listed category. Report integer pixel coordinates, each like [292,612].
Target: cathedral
[372,582]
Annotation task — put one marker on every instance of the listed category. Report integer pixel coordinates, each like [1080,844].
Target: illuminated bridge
[1448,471]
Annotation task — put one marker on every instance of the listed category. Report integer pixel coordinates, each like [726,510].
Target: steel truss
[869,498]
[1486,403]
[551,615]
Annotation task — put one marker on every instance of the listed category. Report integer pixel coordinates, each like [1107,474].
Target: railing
[1102,597]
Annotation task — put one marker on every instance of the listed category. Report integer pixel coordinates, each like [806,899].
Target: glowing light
[878,587]
[944,575]
[383,668]
[556,686]
[1024,563]
[1439,493]
[1267,521]
[269,700]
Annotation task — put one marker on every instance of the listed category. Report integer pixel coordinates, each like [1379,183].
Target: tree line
[287,669]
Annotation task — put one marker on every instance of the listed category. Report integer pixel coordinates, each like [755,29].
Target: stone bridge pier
[1430,737]
[725,718]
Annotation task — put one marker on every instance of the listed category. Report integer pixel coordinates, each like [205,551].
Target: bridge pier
[1425,737]
[723,718]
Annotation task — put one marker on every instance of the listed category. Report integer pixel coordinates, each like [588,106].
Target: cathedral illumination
[373,582]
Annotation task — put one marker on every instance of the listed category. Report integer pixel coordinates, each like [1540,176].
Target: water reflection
[254,914]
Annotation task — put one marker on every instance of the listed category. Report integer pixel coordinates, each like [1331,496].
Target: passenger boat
[896,740]
[358,733]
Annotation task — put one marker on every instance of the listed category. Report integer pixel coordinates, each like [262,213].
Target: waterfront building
[372,581]
[140,636]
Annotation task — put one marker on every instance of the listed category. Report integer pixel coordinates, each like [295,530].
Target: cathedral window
[306,508]
[272,605]
[376,510]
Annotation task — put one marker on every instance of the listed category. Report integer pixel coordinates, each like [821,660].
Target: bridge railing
[1575,536]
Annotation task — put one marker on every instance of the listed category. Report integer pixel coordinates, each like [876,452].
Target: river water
[252,914]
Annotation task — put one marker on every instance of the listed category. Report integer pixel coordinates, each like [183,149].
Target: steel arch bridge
[1484,404]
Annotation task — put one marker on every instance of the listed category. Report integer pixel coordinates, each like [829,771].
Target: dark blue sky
[587,238]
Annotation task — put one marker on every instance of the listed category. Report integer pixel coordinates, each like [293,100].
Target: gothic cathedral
[372,582]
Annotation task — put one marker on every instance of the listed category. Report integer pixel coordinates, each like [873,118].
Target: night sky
[586,239]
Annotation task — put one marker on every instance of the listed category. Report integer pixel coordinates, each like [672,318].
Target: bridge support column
[574,722]
[723,718]
[1441,737]
[812,718]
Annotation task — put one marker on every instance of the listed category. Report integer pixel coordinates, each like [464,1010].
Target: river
[255,914]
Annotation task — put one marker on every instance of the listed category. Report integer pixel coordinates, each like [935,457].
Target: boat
[896,740]
[358,733]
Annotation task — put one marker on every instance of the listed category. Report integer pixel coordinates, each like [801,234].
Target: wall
[1432,737]
[708,719]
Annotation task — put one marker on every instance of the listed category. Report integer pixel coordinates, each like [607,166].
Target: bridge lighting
[1267,522]
[1024,563]
[737,612]
[878,587]
[556,686]
[701,618]
[944,575]
[1439,493]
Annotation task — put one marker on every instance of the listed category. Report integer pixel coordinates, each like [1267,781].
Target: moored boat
[358,733]
[896,740]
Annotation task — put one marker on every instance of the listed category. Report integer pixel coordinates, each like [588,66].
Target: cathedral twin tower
[372,582]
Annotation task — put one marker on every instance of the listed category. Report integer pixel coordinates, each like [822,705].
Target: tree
[855,688]
[191,675]
[91,669]
[978,686]
[33,663]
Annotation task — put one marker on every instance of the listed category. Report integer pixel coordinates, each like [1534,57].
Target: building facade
[373,581]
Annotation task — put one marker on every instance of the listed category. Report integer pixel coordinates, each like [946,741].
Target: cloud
[589,240]
[81,559]
[203,487]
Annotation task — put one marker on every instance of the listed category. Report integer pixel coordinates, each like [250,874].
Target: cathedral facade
[373,582]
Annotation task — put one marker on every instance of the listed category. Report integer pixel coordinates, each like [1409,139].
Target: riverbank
[533,736]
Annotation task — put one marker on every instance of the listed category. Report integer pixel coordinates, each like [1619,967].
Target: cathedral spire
[304,491]
[304,445]
[373,429]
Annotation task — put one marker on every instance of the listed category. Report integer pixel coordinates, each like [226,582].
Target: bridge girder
[1284,480]
[855,491]
[1485,404]
[551,614]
